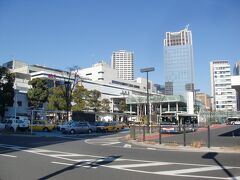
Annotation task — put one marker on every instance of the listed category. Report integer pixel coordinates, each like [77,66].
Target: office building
[99,77]
[205,99]
[123,62]
[221,88]
[178,61]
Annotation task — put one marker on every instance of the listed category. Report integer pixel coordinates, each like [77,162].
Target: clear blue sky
[64,33]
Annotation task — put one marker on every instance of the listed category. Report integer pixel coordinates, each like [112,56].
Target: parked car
[62,127]
[79,127]
[41,125]
[13,124]
[118,125]
[105,127]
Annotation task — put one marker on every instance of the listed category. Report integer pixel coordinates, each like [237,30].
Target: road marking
[67,164]
[191,170]
[103,141]
[139,165]
[96,162]
[151,148]
[66,155]
[86,165]
[111,143]
[6,155]
[127,146]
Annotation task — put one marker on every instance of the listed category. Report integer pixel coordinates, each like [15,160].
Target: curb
[186,148]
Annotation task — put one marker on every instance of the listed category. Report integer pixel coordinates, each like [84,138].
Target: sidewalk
[176,147]
[152,142]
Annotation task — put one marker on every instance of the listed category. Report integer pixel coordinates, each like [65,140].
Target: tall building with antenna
[179,61]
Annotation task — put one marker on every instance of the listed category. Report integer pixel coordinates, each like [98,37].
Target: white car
[13,124]
[62,127]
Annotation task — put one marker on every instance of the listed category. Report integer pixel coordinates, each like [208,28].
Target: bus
[233,120]
[174,122]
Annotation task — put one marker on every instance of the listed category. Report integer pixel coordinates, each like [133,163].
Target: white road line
[193,176]
[66,155]
[111,143]
[78,165]
[67,164]
[127,146]
[143,163]
[6,155]
[139,165]
[151,148]
[191,170]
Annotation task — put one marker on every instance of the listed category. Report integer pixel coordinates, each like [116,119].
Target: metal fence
[155,135]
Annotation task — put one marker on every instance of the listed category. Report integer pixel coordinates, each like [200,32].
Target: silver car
[79,127]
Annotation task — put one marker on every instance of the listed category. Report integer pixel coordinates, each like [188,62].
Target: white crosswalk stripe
[191,170]
[126,166]
[132,165]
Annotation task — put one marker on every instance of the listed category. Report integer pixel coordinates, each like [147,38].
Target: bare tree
[71,79]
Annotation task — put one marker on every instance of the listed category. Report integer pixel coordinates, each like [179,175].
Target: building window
[100,78]
[19,103]
[88,74]
[100,72]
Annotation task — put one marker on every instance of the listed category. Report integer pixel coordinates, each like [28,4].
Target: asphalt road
[107,157]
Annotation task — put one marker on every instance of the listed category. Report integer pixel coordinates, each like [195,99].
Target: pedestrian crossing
[175,169]
[103,141]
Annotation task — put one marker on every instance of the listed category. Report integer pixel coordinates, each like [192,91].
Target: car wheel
[72,131]
[45,129]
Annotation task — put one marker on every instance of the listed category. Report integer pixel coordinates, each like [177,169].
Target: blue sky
[65,33]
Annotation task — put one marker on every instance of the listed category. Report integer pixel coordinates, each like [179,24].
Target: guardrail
[157,135]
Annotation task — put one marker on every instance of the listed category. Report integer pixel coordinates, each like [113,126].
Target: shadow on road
[88,164]
[212,155]
[233,133]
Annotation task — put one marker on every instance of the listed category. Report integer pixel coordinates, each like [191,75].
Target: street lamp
[143,71]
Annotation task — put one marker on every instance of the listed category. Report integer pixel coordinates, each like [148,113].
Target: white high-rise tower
[122,61]
[224,95]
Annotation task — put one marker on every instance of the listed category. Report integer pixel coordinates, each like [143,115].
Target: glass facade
[179,67]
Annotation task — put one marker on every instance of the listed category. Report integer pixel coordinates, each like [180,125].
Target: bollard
[160,134]
[143,133]
[184,135]
[134,133]
[208,136]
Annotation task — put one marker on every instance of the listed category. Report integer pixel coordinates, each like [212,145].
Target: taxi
[41,125]
[105,127]
[118,125]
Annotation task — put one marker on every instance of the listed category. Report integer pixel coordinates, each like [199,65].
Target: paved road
[106,158]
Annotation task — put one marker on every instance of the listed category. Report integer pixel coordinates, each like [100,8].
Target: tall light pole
[143,71]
